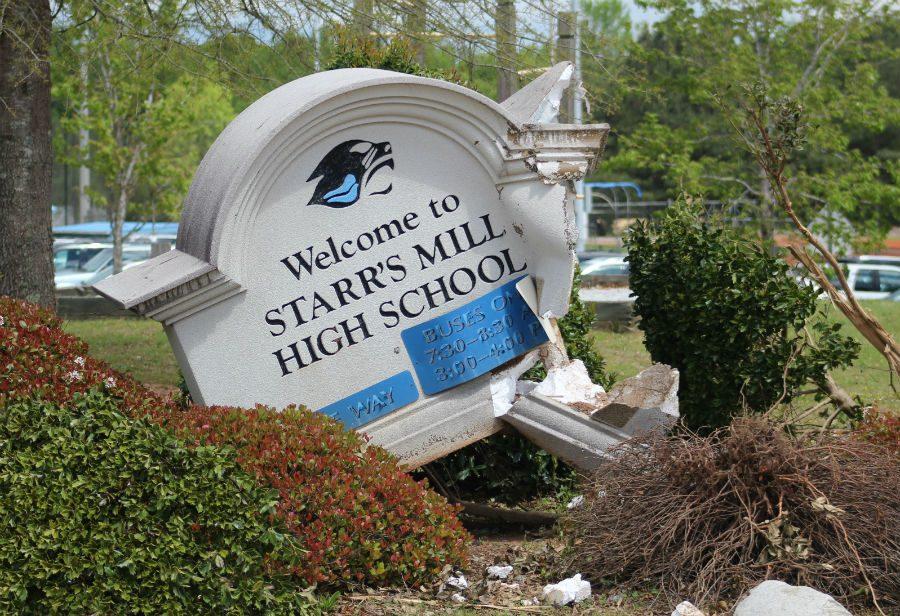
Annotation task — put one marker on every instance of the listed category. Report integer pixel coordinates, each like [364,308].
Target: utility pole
[569,48]
[565,47]
[505,36]
[581,205]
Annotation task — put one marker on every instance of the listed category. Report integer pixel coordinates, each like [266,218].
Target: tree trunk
[505,33]
[766,212]
[26,240]
[363,17]
[118,218]
[415,24]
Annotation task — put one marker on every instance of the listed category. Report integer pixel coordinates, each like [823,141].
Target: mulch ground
[535,562]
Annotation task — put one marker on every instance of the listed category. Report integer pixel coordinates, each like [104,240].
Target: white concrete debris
[505,386]
[775,598]
[499,572]
[686,608]
[578,501]
[457,598]
[570,590]
[570,384]
[458,581]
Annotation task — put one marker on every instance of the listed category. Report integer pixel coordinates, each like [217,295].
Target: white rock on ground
[686,608]
[774,598]
[499,572]
[457,598]
[458,581]
[570,590]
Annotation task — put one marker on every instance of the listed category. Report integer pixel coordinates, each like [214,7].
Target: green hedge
[728,315]
[103,514]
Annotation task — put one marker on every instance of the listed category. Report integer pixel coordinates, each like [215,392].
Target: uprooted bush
[357,517]
[101,511]
[706,518]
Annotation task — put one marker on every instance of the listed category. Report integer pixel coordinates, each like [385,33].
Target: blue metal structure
[612,186]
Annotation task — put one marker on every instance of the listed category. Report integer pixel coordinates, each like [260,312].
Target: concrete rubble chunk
[644,402]
[580,424]
[686,608]
[570,590]
[775,598]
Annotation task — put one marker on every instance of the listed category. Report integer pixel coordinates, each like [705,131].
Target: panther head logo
[347,171]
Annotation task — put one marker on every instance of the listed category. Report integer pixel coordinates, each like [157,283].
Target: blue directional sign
[473,339]
[372,402]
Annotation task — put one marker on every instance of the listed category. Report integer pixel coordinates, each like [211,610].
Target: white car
[606,266]
[69,256]
[99,266]
[873,281]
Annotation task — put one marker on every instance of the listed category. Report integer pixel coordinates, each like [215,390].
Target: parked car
[70,256]
[100,266]
[872,281]
[605,270]
[593,255]
[874,260]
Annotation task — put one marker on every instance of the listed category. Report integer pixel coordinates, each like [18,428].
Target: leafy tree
[743,334]
[833,56]
[148,123]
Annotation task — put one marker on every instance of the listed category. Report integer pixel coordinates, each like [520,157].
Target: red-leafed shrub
[881,427]
[360,518]
[37,358]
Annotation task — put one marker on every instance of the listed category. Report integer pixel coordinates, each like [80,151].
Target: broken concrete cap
[563,431]
[642,403]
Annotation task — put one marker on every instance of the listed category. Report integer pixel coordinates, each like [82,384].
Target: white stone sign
[363,243]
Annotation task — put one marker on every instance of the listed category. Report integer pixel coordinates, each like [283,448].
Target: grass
[136,346]
[868,378]
[140,347]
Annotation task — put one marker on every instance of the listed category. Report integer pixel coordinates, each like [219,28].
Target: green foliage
[837,58]
[728,316]
[146,115]
[103,514]
[508,467]
[363,52]
[355,516]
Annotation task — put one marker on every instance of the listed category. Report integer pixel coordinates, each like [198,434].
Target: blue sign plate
[372,402]
[473,339]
